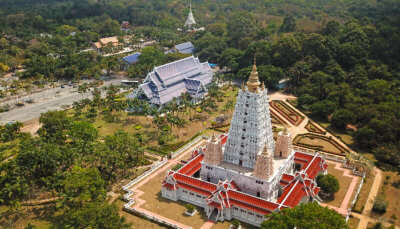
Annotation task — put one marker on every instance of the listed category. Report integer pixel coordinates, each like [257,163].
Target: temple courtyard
[147,193]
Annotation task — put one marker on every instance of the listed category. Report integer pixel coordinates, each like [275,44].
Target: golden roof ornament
[214,138]
[253,83]
[285,130]
[262,86]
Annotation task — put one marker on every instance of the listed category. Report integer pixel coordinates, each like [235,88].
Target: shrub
[396,184]
[235,223]
[378,226]
[328,183]
[379,206]
[190,208]
[176,167]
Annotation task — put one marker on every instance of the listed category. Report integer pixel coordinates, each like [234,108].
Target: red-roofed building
[244,175]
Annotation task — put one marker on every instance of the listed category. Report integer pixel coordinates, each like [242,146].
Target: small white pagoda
[190,22]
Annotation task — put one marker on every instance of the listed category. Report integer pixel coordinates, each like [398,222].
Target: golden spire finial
[285,130]
[214,138]
[253,83]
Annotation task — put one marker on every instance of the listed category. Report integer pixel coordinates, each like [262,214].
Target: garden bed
[313,128]
[275,119]
[287,112]
[319,143]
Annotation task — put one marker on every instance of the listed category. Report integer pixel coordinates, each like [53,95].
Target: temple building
[171,80]
[245,174]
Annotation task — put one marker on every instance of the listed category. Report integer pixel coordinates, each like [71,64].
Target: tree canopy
[310,216]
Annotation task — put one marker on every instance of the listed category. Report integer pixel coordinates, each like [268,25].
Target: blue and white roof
[131,59]
[171,80]
[185,48]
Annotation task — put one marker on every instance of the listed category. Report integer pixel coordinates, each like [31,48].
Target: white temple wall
[169,194]
[248,184]
[247,216]
[192,197]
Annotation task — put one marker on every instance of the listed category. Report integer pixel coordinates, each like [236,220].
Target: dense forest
[69,163]
[341,57]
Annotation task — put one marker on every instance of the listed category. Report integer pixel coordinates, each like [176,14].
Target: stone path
[137,192]
[364,218]
[207,225]
[352,188]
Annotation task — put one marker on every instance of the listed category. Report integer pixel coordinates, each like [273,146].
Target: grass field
[344,183]
[136,221]
[140,124]
[391,195]
[353,222]
[170,209]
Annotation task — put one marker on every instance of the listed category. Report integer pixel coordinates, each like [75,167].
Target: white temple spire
[190,19]
[251,129]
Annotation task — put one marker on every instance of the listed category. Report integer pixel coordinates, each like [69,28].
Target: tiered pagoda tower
[190,22]
[251,128]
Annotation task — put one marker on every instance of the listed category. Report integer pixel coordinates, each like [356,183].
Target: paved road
[53,99]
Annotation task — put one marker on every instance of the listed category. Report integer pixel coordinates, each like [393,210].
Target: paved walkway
[137,192]
[207,225]
[364,218]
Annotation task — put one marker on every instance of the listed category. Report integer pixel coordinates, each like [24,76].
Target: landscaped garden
[319,143]
[166,131]
[287,112]
[313,128]
[275,119]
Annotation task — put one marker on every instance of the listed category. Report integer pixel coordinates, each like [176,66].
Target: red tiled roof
[187,168]
[293,193]
[169,186]
[286,192]
[285,179]
[249,207]
[296,195]
[193,189]
[194,170]
[206,186]
[303,157]
[254,201]
[234,186]
[223,139]
[314,168]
